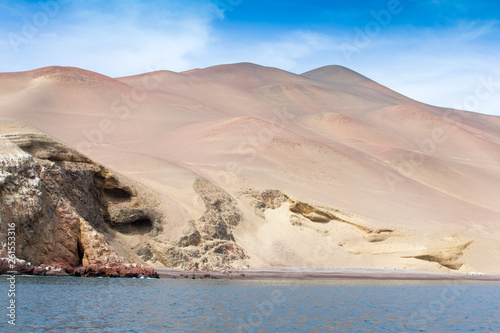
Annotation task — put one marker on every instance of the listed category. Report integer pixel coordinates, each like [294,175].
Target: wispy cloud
[124,37]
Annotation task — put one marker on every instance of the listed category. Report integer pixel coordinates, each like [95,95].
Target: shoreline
[305,273]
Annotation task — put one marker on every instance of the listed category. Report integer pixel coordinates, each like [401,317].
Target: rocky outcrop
[221,212]
[116,270]
[17,266]
[208,243]
[268,199]
[22,267]
[449,255]
[60,206]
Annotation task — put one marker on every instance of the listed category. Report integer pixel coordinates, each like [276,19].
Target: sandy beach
[308,273]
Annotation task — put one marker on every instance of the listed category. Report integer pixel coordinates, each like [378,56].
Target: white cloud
[121,42]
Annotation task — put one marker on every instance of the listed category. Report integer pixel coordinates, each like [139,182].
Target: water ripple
[54,304]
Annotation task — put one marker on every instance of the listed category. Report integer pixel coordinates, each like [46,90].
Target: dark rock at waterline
[116,270]
[22,267]
[17,266]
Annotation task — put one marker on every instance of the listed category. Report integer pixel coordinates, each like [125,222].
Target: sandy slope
[379,180]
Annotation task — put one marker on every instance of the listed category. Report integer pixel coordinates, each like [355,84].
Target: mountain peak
[335,73]
[68,74]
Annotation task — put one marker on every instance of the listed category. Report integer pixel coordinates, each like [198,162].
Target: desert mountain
[252,165]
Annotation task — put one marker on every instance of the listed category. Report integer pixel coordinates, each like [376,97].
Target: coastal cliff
[73,215]
[60,205]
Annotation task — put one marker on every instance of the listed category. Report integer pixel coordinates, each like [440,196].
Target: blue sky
[442,52]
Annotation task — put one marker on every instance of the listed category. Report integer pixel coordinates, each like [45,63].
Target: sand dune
[389,182]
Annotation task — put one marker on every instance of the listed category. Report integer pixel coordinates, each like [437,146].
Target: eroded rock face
[208,242]
[449,256]
[61,204]
[268,199]
[221,213]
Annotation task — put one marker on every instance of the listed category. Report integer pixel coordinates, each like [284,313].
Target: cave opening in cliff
[142,226]
[117,194]
[80,253]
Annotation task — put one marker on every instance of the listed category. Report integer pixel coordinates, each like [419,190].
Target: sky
[441,52]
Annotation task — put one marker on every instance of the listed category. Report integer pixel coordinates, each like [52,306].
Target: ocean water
[67,304]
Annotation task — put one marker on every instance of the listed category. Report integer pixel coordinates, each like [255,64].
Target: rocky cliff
[68,211]
[61,205]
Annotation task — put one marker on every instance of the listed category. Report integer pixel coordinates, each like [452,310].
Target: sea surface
[68,304]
